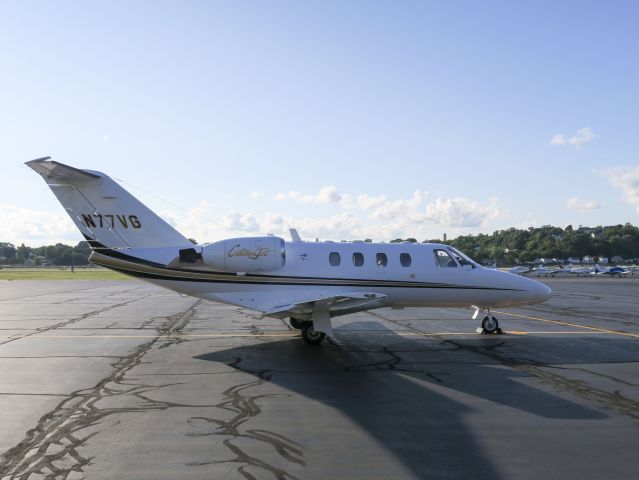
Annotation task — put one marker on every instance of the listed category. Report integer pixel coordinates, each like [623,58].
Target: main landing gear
[309,334]
[489,324]
[318,327]
[296,323]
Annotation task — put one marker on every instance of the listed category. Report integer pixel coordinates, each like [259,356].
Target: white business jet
[308,282]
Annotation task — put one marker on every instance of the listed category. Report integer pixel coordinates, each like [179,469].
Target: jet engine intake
[189,255]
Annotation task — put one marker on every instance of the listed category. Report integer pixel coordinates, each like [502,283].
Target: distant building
[616,259]
[588,259]
[573,261]
[603,260]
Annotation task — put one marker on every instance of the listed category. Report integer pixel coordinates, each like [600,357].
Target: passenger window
[334,259]
[405,260]
[358,259]
[443,259]
[382,260]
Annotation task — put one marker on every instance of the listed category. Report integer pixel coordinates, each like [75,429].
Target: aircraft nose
[542,292]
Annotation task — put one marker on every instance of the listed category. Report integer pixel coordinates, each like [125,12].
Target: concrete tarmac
[104,380]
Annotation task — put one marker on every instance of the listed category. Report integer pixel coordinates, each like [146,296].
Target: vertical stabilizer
[104,211]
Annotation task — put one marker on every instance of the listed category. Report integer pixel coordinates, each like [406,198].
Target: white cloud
[256,195]
[368,202]
[575,203]
[463,212]
[194,223]
[359,216]
[584,136]
[326,195]
[35,227]
[409,208]
[626,179]
[295,196]
[410,217]
[243,223]
[380,206]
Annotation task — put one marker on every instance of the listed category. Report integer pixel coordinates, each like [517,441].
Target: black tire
[490,324]
[296,323]
[309,334]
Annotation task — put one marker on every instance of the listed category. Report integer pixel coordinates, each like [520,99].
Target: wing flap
[333,302]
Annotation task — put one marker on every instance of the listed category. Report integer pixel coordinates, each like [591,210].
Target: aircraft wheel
[296,323]
[309,334]
[490,324]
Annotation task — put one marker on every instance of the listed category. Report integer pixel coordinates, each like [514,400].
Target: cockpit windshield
[462,258]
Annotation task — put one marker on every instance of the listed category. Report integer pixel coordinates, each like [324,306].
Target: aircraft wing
[339,304]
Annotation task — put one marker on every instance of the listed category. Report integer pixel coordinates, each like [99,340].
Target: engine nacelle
[252,254]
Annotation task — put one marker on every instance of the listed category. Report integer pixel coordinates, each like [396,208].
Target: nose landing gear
[490,324]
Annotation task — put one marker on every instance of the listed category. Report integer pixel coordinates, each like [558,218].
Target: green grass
[61,273]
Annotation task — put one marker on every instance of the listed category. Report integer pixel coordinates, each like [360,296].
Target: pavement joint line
[168,336]
[293,335]
[559,322]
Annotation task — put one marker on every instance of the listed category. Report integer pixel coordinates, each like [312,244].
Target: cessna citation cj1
[308,282]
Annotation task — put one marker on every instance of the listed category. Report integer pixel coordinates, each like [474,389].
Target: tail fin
[104,211]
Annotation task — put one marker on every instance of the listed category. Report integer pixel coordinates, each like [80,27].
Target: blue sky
[345,119]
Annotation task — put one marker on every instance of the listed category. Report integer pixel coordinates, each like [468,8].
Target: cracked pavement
[105,380]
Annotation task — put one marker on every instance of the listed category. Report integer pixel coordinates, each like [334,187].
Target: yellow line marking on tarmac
[580,332]
[559,322]
[509,332]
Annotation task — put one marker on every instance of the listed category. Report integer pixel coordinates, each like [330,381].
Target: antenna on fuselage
[295,237]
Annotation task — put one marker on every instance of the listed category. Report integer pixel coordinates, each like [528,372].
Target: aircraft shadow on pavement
[410,394]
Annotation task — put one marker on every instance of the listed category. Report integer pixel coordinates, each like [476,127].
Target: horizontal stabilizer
[51,169]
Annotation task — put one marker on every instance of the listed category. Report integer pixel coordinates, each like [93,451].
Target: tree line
[506,247]
[512,246]
[58,254]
